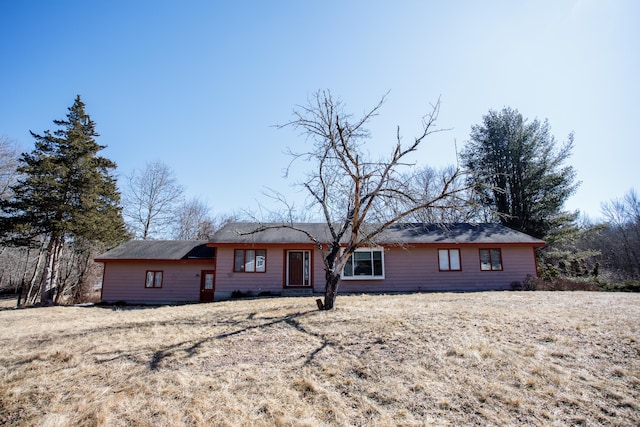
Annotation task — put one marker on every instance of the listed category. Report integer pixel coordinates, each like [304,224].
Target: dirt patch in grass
[543,358]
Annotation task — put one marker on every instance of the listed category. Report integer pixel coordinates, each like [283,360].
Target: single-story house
[277,260]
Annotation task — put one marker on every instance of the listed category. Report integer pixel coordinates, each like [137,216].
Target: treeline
[606,252]
[61,206]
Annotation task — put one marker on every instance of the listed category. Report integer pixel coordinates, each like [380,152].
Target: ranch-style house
[284,261]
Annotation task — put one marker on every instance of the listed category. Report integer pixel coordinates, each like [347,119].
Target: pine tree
[519,173]
[67,192]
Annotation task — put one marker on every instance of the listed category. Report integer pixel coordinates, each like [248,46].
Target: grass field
[496,358]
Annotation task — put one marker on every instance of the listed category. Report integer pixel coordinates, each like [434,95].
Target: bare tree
[359,196]
[457,208]
[9,155]
[150,200]
[193,221]
[288,212]
[620,246]
[78,273]
[20,269]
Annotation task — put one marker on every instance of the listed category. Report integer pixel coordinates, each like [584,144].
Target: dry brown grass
[535,358]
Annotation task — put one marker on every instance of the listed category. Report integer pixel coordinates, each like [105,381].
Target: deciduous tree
[359,195]
[459,207]
[620,239]
[9,155]
[193,221]
[151,198]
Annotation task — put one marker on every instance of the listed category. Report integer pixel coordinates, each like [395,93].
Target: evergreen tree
[67,192]
[519,173]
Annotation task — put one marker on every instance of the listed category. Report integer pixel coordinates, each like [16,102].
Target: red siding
[228,280]
[124,281]
[406,270]
[272,280]
[416,269]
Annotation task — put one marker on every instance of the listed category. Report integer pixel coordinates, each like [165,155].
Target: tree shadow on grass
[325,343]
[155,356]
[190,348]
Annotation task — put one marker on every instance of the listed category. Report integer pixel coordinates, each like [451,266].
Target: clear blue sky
[200,84]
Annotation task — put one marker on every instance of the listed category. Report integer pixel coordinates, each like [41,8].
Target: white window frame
[365,277]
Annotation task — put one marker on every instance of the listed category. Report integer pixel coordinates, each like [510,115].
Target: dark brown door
[296,268]
[207,285]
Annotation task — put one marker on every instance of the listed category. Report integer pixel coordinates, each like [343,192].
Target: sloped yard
[497,358]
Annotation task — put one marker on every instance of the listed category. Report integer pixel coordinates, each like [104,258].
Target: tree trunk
[30,297]
[19,291]
[331,290]
[56,281]
[47,284]
[81,282]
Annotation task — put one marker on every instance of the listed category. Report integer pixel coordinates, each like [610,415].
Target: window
[364,264]
[449,259]
[250,260]
[490,260]
[154,279]
[207,281]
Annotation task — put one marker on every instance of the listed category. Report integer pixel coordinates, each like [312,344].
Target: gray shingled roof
[243,233]
[159,250]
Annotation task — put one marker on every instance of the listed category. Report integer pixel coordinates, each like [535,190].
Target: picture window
[365,264]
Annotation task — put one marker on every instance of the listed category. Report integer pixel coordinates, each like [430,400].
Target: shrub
[531,283]
[566,284]
[239,294]
[626,286]
[528,284]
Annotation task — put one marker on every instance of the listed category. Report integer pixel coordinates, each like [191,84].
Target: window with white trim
[365,263]
[449,260]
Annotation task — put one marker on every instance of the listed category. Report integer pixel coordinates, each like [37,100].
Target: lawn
[495,358]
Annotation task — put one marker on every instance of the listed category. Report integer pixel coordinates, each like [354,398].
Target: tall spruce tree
[66,193]
[519,172]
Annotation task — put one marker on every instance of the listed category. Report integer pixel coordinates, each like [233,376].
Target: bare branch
[351,189]
[150,200]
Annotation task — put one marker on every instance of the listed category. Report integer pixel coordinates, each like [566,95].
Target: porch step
[297,292]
